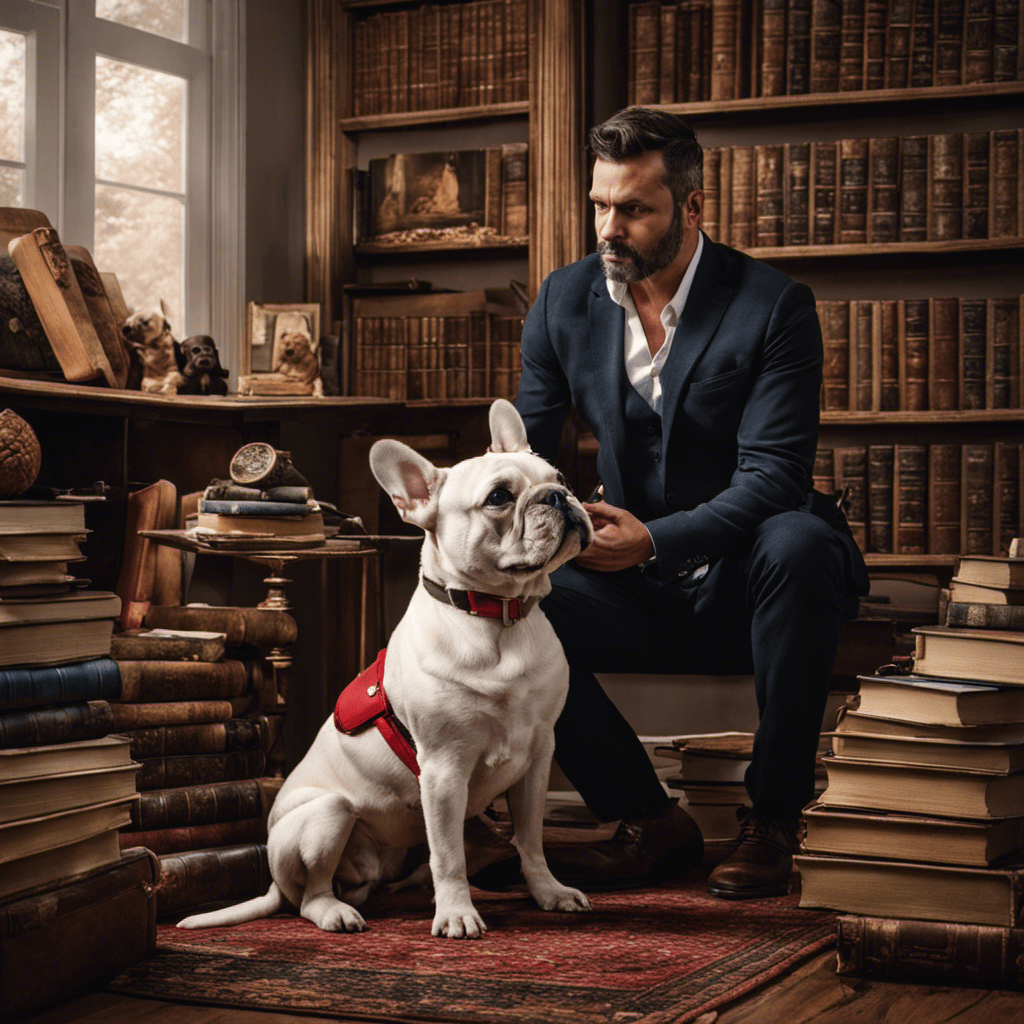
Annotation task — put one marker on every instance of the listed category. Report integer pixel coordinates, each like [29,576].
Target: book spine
[889,355]
[876,21]
[910,496]
[798,47]
[769,224]
[826,33]
[667,55]
[834,315]
[197,837]
[880,498]
[852,480]
[897,44]
[853,190]
[1006,496]
[198,805]
[977,173]
[797,195]
[922,44]
[944,499]
[973,352]
[1005,182]
[724,19]
[196,712]
[851,46]
[823,473]
[914,188]
[227,873]
[260,627]
[741,222]
[944,355]
[946,187]
[863,372]
[175,740]
[930,952]
[949,27]
[99,679]
[82,720]
[1007,52]
[914,354]
[200,769]
[968,615]
[1003,354]
[154,681]
[824,191]
[883,190]
[773,52]
[976,499]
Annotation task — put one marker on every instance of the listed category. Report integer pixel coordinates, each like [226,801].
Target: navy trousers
[773,609]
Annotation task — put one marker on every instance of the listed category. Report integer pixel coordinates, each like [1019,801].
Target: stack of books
[73,908]
[919,835]
[201,709]
[289,513]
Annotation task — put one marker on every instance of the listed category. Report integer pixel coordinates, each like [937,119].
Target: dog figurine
[199,363]
[297,360]
[477,692]
[149,334]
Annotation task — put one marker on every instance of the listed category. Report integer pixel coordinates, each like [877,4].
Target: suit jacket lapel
[607,345]
[709,296]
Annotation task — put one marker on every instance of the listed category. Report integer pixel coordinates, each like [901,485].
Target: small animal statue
[199,363]
[149,334]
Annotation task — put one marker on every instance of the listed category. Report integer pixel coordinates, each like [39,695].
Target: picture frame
[281,355]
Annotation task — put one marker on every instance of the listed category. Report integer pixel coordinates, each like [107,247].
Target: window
[127,171]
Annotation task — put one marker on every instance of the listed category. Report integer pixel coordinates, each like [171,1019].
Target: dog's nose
[558,499]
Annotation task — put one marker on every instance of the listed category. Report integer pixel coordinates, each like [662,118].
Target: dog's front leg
[444,783]
[526,805]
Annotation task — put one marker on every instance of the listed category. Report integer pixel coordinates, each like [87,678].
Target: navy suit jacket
[740,397]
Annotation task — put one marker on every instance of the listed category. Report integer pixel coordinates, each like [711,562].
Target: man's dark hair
[637,130]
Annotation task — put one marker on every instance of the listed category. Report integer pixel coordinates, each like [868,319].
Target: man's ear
[413,482]
[508,433]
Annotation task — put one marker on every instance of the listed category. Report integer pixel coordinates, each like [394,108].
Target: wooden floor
[812,992]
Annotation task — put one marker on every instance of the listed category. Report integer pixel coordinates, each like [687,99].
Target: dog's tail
[261,906]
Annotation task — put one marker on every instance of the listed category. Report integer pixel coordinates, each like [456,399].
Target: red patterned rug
[652,956]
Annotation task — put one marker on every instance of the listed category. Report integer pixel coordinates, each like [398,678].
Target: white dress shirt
[643,369]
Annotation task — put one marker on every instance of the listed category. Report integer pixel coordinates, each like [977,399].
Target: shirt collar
[619,291]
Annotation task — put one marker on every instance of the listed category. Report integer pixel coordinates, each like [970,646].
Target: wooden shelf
[417,118]
[899,418]
[876,561]
[502,246]
[786,107]
[874,250]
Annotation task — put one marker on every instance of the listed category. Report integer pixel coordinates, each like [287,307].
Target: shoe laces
[765,829]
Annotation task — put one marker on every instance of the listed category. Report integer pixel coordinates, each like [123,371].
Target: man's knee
[798,544]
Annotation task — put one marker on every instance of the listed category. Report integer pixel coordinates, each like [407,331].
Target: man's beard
[643,263]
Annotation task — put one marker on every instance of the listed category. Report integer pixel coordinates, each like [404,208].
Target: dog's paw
[331,915]
[563,898]
[458,924]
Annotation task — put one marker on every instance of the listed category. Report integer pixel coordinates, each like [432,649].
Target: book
[990,571]
[961,591]
[993,656]
[81,720]
[38,517]
[58,758]
[28,574]
[54,643]
[939,701]
[919,789]
[930,892]
[197,837]
[968,615]
[57,297]
[28,798]
[308,526]
[884,834]
[175,712]
[99,679]
[41,547]
[167,645]
[708,792]
[61,862]
[985,755]
[260,627]
[72,607]
[154,681]
[224,874]
[184,806]
[930,952]
[30,836]
[198,769]
[210,738]
[997,732]
[58,939]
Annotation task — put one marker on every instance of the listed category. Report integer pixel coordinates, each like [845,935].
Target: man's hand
[620,539]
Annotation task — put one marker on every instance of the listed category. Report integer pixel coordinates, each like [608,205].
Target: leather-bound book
[773,48]
[880,480]
[684,49]
[930,952]
[645,22]
[667,55]
[1006,496]
[888,360]
[973,353]
[943,499]
[797,179]
[976,499]
[519,50]
[104,321]
[1005,219]
[429,57]
[700,49]
[883,189]
[851,46]
[515,160]
[741,221]
[209,738]
[949,41]
[712,193]
[944,354]
[175,712]
[61,938]
[851,477]
[922,44]
[876,30]
[914,188]
[913,354]
[1007,53]
[798,47]
[864,382]
[853,191]
[834,315]
[826,30]
[153,681]
[823,472]
[81,720]
[1004,356]
[205,804]
[197,837]
[725,16]
[946,187]
[897,44]
[98,679]
[725,195]
[910,498]
[824,192]
[200,769]
[259,627]
[770,212]
[197,877]
[977,174]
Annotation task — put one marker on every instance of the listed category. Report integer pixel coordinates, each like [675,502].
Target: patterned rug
[652,956]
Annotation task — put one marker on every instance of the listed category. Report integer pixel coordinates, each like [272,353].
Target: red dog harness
[363,702]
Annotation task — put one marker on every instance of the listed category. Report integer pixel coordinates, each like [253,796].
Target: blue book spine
[255,508]
[99,679]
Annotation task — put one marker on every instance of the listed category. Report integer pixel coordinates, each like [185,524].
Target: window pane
[140,126]
[168,18]
[12,187]
[141,238]
[12,96]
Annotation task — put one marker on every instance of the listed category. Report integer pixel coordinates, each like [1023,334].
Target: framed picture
[282,350]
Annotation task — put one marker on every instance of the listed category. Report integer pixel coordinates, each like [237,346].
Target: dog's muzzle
[558,499]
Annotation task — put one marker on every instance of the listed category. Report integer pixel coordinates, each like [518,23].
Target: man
[698,370]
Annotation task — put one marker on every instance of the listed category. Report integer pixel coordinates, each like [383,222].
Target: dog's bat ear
[413,482]
[508,433]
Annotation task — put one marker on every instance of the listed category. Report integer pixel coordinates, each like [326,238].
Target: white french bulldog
[479,696]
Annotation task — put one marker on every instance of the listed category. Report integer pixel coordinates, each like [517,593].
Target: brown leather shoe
[645,849]
[762,861]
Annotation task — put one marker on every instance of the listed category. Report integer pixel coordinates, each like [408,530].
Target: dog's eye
[499,496]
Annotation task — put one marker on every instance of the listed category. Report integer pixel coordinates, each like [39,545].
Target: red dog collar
[488,606]
[363,702]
